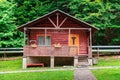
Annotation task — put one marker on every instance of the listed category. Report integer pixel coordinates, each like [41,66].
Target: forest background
[103,14]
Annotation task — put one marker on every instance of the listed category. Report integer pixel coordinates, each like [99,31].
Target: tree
[103,14]
[8,32]
[27,10]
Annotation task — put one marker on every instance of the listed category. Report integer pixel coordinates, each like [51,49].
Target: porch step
[83,61]
[83,64]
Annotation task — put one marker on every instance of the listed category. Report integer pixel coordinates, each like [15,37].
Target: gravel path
[43,70]
[76,69]
[83,74]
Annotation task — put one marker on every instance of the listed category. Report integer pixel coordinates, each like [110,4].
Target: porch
[70,41]
[57,51]
[65,49]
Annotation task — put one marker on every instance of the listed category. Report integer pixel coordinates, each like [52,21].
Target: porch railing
[62,51]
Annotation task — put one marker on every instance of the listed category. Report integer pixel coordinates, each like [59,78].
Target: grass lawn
[54,75]
[109,61]
[10,65]
[102,74]
[107,74]
[17,63]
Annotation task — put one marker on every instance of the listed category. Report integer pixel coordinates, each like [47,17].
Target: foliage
[104,14]
[8,32]
[28,10]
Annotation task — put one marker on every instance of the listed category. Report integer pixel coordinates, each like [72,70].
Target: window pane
[41,40]
[48,41]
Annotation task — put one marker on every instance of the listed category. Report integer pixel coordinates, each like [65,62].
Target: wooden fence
[96,49]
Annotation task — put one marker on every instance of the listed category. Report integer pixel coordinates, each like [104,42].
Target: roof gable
[40,19]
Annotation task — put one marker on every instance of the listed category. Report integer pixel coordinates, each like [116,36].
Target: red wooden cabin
[56,38]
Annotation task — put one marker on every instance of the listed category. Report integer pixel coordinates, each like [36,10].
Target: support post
[90,61]
[52,62]
[90,46]
[45,36]
[24,36]
[76,61]
[69,36]
[24,62]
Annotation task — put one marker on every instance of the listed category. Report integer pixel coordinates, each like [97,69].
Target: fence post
[5,54]
[98,52]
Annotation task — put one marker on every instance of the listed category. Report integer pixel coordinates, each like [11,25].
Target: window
[41,40]
[48,40]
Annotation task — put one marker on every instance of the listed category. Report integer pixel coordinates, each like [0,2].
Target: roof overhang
[51,13]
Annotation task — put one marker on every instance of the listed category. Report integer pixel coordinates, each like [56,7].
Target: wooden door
[74,41]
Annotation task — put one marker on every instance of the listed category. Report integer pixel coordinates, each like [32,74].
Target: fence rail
[11,50]
[105,48]
[94,49]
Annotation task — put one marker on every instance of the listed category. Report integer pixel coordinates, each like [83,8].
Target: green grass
[109,61]
[107,74]
[11,65]
[17,64]
[54,75]
[102,74]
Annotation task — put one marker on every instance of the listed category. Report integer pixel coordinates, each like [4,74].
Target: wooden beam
[52,22]
[57,19]
[59,28]
[62,22]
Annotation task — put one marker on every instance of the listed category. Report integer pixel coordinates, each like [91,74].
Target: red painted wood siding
[83,42]
[61,37]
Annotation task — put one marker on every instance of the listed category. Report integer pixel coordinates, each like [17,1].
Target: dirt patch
[10,58]
[109,57]
[106,54]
